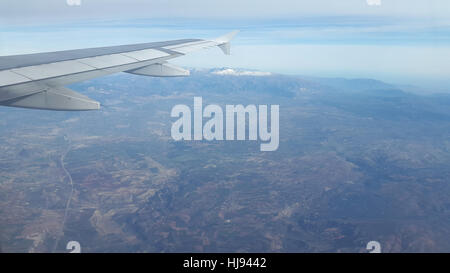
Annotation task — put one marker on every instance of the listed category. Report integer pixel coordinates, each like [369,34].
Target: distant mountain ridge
[342,84]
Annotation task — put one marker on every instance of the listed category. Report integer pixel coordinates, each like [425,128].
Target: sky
[398,41]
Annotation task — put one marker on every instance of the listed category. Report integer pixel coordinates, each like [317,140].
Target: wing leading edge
[37,80]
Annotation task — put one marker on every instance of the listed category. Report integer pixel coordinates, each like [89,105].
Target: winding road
[66,210]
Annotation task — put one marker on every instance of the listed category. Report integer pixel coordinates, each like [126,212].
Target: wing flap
[57,98]
[8,77]
[160,70]
[144,55]
[190,47]
[106,61]
[43,71]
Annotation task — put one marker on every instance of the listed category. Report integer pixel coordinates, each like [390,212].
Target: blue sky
[399,41]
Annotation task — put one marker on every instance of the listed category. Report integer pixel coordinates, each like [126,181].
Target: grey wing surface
[37,80]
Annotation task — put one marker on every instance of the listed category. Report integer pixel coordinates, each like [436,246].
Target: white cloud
[71,120]
[373,2]
[232,72]
[73,2]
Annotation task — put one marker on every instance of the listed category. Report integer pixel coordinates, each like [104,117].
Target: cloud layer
[32,11]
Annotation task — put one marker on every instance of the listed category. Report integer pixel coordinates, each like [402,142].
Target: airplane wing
[37,80]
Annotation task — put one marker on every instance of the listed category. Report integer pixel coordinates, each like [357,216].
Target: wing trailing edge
[54,98]
[160,70]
